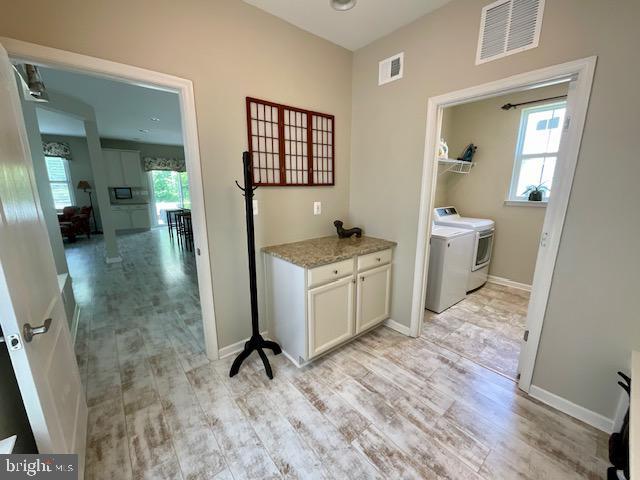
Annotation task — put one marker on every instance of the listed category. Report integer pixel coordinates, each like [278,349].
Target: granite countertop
[321,251]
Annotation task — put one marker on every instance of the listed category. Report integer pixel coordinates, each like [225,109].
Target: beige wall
[591,323]
[229,50]
[482,193]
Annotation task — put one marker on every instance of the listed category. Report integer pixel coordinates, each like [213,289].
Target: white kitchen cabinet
[113,163]
[131,169]
[121,218]
[374,294]
[330,315]
[312,310]
[130,217]
[124,168]
[140,216]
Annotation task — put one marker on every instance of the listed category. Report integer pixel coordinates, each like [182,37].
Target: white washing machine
[484,231]
[449,258]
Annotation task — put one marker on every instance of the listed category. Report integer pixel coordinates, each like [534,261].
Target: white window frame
[514,195]
[69,181]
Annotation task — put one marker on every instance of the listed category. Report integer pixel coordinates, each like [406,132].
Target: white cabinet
[312,310]
[130,217]
[131,169]
[124,168]
[114,167]
[374,294]
[330,315]
[140,216]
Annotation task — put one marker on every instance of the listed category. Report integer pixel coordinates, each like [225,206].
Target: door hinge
[526,335]
[567,122]
[198,251]
[545,238]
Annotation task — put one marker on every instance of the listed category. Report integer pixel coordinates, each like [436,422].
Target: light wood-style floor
[385,406]
[486,327]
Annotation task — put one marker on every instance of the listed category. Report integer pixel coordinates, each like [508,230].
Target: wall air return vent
[391,69]
[508,27]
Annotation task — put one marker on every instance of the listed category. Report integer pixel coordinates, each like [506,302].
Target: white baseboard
[74,323]
[576,411]
[113,259]
[505,282]
[235,347]
[398,327]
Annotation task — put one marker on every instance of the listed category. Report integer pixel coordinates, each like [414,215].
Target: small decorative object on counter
[443,149]
[469,152]
[347,232]
[535,192]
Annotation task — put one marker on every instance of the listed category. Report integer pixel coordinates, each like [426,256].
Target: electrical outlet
[317,208]
[255,208]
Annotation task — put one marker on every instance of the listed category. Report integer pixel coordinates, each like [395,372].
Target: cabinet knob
[335,272]
[362,278]
[378,259]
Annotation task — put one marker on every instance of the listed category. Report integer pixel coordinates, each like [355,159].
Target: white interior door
[45,367]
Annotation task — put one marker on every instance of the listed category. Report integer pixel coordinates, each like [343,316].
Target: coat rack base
[257,343]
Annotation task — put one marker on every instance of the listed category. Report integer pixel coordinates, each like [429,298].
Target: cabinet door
[131,168]
[115,175]
[330,309]
[374,289]
[121,218]
[140,217]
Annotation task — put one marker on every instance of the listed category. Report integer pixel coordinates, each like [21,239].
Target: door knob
[28,332]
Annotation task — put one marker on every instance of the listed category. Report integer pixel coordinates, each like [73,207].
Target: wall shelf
[455,166]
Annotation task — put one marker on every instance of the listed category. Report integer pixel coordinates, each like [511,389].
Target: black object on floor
[619,441]
[256,342]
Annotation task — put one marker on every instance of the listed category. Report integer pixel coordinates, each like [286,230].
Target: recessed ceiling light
[143,130]
[342,5]
[155,119]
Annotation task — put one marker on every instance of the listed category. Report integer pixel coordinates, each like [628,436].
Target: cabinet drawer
[374,259]
[329,273]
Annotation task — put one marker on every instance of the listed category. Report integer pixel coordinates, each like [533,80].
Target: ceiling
[122,110]
[355,28]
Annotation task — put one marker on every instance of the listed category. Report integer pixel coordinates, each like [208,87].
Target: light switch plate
[317,208]
[255,208]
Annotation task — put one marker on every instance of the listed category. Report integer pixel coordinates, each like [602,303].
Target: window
[290,146]
[170,192]
[60,182]
[537,149]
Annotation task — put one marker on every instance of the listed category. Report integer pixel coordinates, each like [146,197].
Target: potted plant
[535,192]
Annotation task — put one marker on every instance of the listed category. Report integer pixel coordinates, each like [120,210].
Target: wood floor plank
[389,459]
[285,447]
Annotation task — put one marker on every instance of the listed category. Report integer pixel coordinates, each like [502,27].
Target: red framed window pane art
[290,146]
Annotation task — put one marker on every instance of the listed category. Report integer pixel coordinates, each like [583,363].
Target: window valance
[56,149]
[161,163]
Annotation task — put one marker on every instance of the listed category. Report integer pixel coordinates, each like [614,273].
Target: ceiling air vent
[508,27]
[391,69]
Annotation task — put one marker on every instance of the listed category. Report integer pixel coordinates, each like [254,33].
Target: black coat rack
[256,342]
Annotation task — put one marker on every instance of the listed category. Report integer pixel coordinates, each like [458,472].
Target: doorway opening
[137,179]
[487,221]
[547,139]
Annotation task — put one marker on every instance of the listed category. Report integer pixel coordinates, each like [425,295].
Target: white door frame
[581,73]
[61,59]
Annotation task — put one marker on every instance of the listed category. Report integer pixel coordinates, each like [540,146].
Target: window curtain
[57,149]
[161,163]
